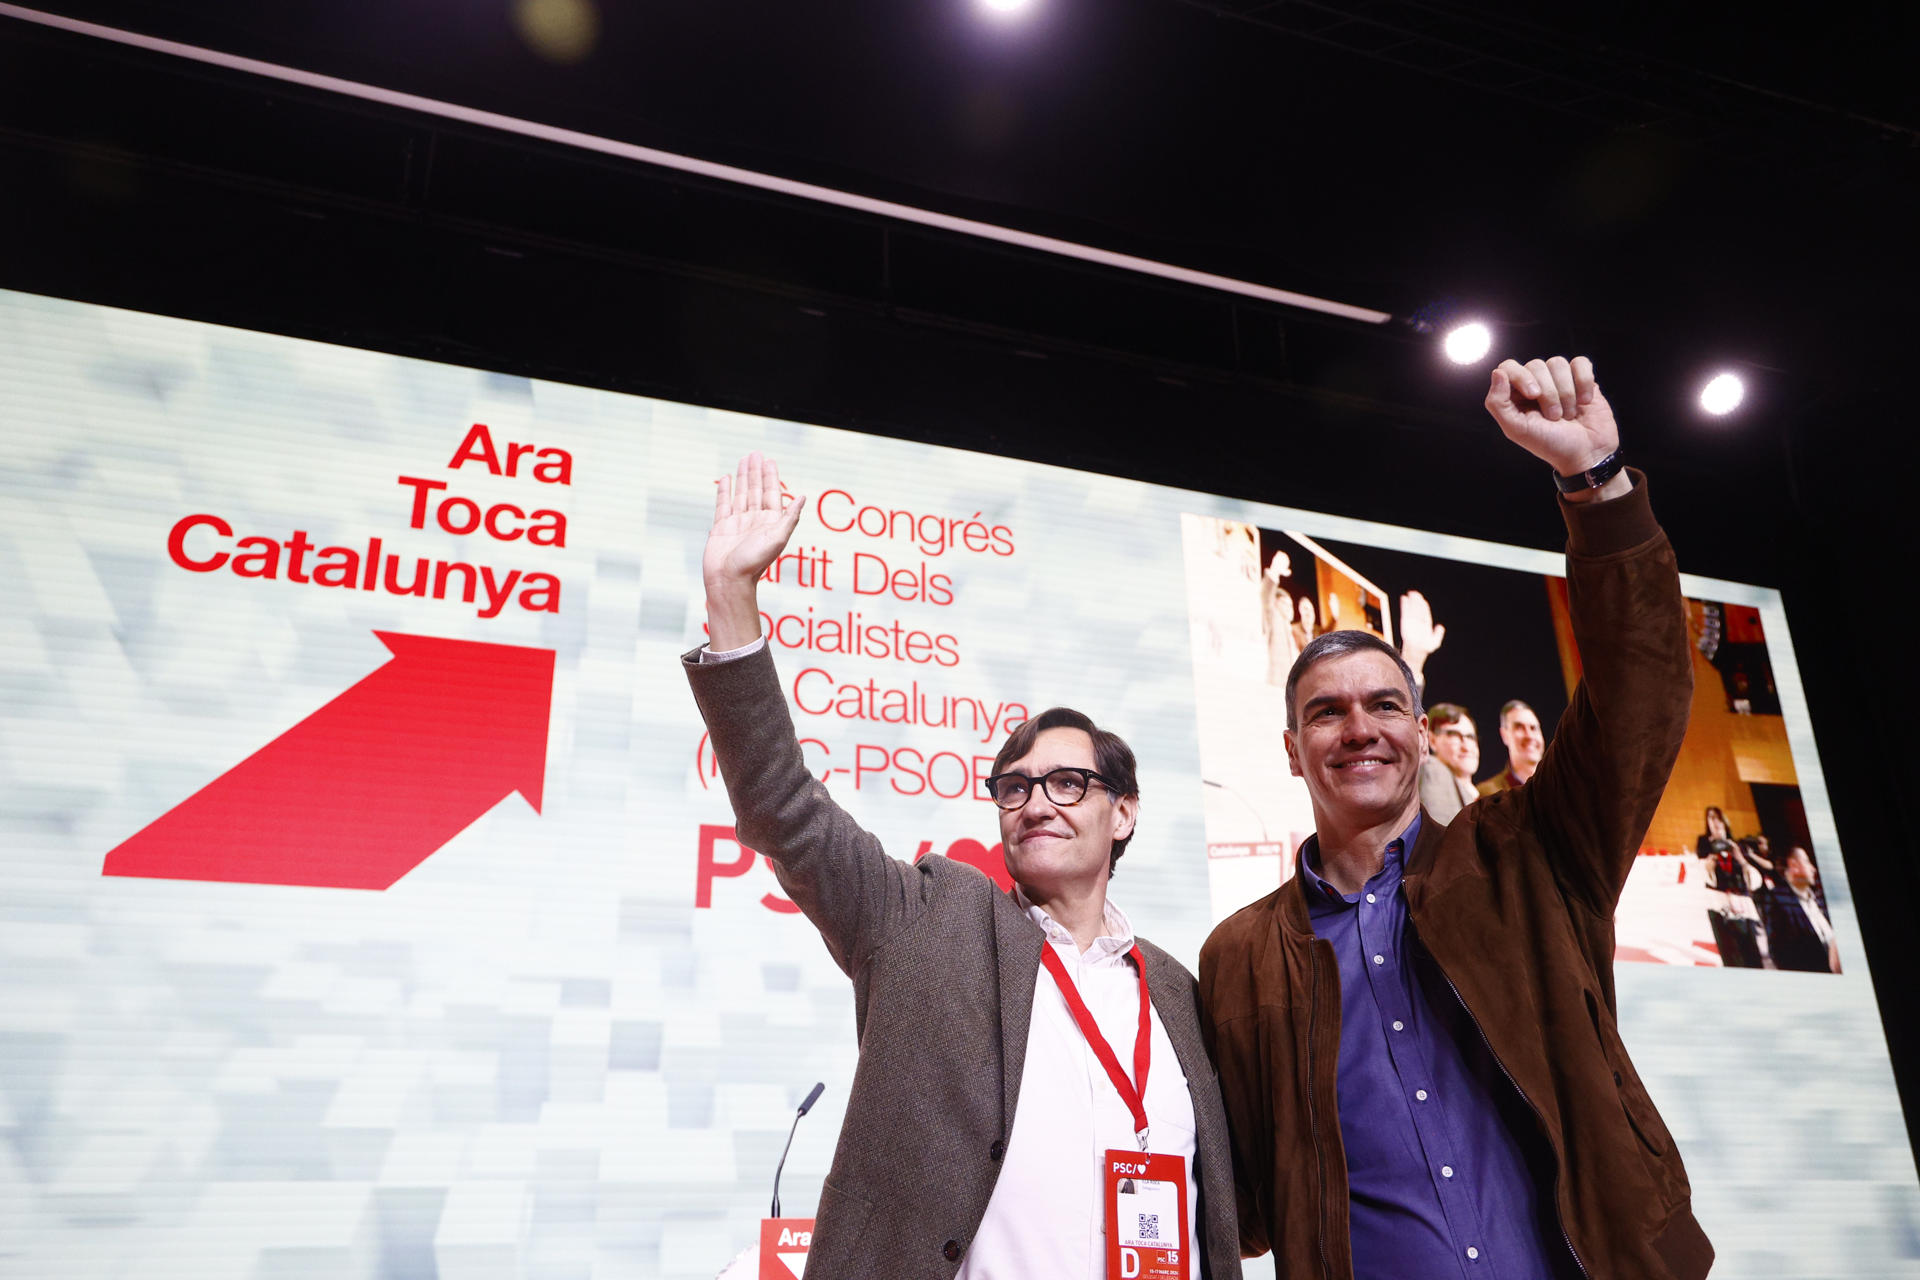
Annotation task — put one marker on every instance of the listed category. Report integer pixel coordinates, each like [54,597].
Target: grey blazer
[944,967]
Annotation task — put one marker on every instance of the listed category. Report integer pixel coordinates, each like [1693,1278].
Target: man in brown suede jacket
[1416,1034]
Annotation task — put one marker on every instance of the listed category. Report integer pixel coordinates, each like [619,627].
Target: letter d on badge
[1129,1264]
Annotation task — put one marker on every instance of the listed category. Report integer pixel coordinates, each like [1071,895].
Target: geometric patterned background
[533,1056]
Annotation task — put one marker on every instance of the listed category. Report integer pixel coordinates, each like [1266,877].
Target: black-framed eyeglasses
[1064,786]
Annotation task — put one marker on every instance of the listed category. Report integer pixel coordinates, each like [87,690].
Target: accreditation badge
[1146,1200]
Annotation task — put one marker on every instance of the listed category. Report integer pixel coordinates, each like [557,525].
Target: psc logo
[713,864]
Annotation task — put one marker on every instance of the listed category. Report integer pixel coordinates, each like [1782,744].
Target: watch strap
[1594,476]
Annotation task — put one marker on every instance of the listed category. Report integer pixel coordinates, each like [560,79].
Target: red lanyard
[1132,1092]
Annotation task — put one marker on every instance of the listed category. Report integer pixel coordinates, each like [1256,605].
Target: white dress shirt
[1045,1217]
[752,646]
[1810,903]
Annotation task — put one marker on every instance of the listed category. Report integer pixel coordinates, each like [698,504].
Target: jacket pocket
[1641,1115]
[842,1218]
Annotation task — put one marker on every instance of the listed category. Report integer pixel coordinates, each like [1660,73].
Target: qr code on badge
[1149,1226]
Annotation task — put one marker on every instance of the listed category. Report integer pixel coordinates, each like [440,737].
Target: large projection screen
[369,905]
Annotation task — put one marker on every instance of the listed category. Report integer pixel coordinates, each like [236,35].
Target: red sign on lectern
[783,1247]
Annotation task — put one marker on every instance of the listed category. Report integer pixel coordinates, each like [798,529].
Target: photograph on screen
[1728,872]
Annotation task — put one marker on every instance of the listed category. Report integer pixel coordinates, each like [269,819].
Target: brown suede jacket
[1515,902]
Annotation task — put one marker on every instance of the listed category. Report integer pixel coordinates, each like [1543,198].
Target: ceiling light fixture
[1468,343]
[1722,395]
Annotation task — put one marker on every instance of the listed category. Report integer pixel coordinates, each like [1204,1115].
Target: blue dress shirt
[1446,1172]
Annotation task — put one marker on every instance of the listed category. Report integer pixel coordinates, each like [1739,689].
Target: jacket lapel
[1183,1030]
[1017,942]
[1422,865]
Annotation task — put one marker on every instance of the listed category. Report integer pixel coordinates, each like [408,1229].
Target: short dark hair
[1340,644]
[1442,714]
[1512,705]
[1112,758]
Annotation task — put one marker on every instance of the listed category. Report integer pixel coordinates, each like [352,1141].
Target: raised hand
[1554,410]
[751,525]
[1420,635]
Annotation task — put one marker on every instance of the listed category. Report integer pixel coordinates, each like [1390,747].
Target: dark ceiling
[1726,177]
[1667,186]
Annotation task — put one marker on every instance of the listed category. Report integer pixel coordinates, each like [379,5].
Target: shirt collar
[1320,891]
[1116,941]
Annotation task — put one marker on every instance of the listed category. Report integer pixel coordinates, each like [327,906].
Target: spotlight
[1468,343]
[1006,6]
[1722,395]
[562,31]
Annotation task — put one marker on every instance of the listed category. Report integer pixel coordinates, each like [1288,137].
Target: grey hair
[1340,644]
[1514,704]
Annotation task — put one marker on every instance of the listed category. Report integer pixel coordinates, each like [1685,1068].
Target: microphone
[813,1096]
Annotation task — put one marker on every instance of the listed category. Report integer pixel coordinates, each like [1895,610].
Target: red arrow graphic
[369,786]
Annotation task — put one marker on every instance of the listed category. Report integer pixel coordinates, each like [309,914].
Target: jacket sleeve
[1242,1078]
[1595,792]
[834,870]
[1176,997]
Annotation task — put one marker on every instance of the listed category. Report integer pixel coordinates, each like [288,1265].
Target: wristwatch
[1594,476]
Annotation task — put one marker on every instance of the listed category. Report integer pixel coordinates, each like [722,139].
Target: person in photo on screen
[1276,617]
[1446,775]
[1759,851]
[1304,625]
[1799,930]
[1416,1034]
[1730,877]
[1520,735]
[979,1112]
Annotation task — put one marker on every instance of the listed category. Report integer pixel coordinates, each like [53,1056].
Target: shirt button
[1371,898]
[951,1251]
[1446,1171]
[1472,1252]
[1399,1025]
[1421,1094]
[1379,959]
[997,1150]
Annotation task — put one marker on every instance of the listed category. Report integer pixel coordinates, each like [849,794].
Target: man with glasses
[999,1114]
[1446,776]
[1416,1034]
